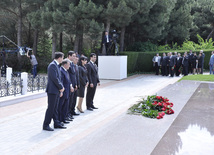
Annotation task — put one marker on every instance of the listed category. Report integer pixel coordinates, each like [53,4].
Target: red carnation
[168,112]
[163,109]
[154,103]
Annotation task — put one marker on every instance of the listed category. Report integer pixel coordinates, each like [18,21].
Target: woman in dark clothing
[199,62]
[194,58]
[83,81]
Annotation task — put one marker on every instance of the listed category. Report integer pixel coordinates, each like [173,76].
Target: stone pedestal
[9,74]
[24,77]
[112,67]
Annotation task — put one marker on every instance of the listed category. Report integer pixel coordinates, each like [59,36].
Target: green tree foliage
[202,44]
[180,22]
[203,13]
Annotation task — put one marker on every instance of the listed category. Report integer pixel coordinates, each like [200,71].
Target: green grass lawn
[198,77]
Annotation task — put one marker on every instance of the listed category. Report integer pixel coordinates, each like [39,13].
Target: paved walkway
[108,130]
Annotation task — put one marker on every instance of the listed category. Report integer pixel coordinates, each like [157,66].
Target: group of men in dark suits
[63,83]
[175,64]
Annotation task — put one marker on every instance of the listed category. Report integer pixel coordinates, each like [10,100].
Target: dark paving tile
[192,132]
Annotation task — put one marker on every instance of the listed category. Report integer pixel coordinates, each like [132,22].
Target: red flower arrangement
[154,107]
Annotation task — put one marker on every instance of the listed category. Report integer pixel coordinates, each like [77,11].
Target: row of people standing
[67,82]
[176,64]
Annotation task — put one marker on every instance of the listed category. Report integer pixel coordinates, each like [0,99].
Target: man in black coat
[164,60]
[171,64]
[185,64]
[190,56]
[72,73]
[64,100]
[178,64]
[203,56]
[93,82]
[54,91]
[107,42]
[77,86]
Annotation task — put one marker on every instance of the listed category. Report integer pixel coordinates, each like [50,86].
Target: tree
[203,13]
[180,22]
[135,32]
[15,10]
[84,13]
[34,17]
[49,15]
[125,11]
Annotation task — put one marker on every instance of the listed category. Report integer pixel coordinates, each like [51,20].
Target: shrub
[187,45]
[143,46]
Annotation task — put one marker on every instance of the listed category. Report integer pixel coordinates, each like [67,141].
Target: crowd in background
[170,64]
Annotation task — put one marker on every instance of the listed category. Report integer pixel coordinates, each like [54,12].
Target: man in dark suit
[54,91]
[171,64]
[203,56]
[93,81]
[72,73]
[164,60]
[190,56]
[178,64]
[64,100]
[78,85]
[107,42]
[185,64]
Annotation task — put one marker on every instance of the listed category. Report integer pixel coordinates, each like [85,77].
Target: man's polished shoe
[90,109]
[68,119]
[93,107]
[59,126]
[47,128]
[70,116]
[74,114]
[66,122]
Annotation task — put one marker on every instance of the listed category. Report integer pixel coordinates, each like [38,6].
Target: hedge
[142,61]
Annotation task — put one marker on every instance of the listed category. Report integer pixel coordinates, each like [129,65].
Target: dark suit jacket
[72,74]
[185,61]
[83,75]
[203,56]
[172,61]
[105,39]
[54,79]
[164,60]
[66,83]
[92,74]
[178,61]
[190,56]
